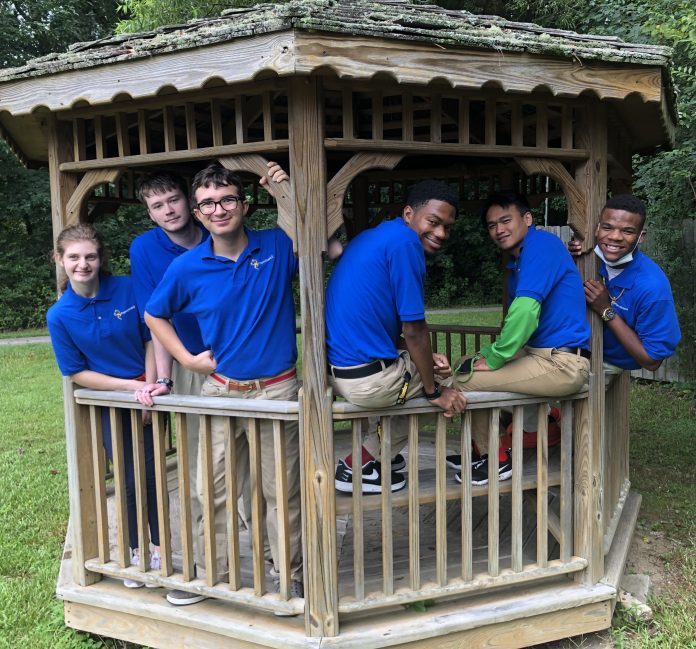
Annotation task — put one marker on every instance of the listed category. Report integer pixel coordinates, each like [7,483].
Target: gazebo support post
[308,174]
[591,176]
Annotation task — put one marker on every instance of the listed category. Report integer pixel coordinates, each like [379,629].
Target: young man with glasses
[238,285]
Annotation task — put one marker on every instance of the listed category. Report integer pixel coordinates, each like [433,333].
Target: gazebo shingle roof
[391,19]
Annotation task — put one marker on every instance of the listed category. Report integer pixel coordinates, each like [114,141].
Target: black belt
[585,353]
[363,371]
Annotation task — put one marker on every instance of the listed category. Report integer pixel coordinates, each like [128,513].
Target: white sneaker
[130,583]
[155,564]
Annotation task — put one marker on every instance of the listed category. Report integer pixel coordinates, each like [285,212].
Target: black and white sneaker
[479,472]
[455,461]
[398,463]
[371,478]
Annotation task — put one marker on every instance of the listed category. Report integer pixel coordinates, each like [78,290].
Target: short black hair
[217,176]
[505,199]
[429,190]
[628,203]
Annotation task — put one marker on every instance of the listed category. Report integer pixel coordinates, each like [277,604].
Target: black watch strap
[431,396]
[166,381]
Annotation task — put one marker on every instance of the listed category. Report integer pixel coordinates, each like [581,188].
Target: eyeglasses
[227,203]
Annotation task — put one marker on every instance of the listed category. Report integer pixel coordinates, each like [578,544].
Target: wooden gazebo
[355,96]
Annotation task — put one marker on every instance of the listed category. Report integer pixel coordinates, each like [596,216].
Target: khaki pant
[381,390]
[285,390]
[543,372]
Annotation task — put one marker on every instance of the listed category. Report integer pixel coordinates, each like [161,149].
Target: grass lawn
[34,504]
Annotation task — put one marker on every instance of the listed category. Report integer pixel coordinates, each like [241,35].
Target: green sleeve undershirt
[520,323]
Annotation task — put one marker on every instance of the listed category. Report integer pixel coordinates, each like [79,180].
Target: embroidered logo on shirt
[255,263]
[119,314]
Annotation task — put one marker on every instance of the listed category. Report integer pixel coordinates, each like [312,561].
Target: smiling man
[238,285]
[633,296]
[375,295]
[543,347]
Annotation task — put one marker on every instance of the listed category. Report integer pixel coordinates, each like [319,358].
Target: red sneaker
[529,438]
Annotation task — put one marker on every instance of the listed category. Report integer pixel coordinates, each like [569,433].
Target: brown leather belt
[248,386]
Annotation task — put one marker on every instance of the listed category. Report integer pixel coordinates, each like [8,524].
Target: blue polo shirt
[245,308]
[150,256]
[646,306]
[545,272]
[376,285]
[104,334]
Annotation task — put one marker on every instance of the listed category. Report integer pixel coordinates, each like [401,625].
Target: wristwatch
[435,394]
[608,314]
[166,381]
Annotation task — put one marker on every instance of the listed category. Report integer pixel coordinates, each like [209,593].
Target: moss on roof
[387,19]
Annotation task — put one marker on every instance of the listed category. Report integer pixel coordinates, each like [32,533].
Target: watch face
[608,314]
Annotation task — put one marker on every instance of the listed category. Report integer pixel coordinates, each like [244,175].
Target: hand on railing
[144,395]
[451,401]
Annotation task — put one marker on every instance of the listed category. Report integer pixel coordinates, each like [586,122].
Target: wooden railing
[435,539]
[109,544]
[455,566]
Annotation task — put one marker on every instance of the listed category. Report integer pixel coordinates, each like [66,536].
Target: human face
[432,222]
[618,232]
[508,227]
[81,262]
[169,210]
[223,223]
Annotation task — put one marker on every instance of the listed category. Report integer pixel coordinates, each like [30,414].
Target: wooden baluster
[98,137]
[387,542]
[257,524]
[267,117]
[141,503]
[205,439]
[169,129]
[566,540]
[99,462]
[282,506]
[467,514]
[493,494]
[233,550]
[159,439]
[448,344]
[542,484]
[119,488]
[240,128]
[517,493]
[358,523]
[122,139]
[413,505]
[216,122]
[191,134]
[441,500]
[143,132]
[79,147]
[184,480]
